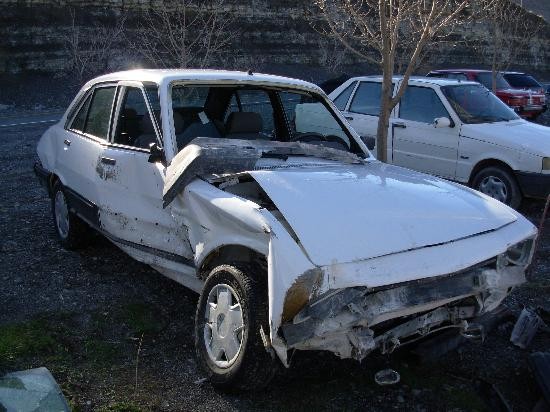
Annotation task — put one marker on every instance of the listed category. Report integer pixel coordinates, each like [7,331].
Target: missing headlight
[521,253]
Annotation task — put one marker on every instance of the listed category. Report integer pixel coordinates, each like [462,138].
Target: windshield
[486,79]
[521,80]
[476,104]
[258,113]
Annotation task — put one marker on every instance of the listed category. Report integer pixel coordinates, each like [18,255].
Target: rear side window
[343,98]
[421,104]
[80,119]
[367,99]
[98,110]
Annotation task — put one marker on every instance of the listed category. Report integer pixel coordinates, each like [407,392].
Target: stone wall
[275,33]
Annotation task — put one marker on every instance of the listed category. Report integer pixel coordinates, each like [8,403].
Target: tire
[252,367]
[500,184]
[71,231]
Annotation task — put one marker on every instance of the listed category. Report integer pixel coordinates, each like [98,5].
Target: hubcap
[494,187]
[61,214]
[223,329]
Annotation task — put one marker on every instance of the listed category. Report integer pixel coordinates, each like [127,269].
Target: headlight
[519,255]
[546,163]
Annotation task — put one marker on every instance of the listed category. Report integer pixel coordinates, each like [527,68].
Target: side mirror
[369,141]
[442,122]
[157,154]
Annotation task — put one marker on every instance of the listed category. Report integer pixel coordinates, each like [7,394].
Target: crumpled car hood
[355,212]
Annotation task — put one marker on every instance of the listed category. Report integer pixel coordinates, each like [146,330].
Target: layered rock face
[33,36]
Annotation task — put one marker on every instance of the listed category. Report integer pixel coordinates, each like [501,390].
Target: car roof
[162,76]
[419,79]
[461,71]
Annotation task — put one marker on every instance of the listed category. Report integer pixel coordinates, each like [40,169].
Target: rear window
[486,79]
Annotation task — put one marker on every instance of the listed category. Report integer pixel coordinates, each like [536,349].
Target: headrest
[244,122]
[179,122]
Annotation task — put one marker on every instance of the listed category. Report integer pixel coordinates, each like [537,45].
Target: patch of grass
[142,319]
[98,351]
[121,407]
[25,339]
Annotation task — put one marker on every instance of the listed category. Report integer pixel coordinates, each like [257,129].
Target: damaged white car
[296,239]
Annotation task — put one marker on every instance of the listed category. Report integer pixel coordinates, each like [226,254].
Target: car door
[131,186]
[363,109]
[82,142]
[417,143]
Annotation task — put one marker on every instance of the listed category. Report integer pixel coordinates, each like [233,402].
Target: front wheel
[231,311]
[498,183]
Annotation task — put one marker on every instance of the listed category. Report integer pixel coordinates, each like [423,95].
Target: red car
[526,103]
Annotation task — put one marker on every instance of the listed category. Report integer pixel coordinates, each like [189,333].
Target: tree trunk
[385,111]
[382,134]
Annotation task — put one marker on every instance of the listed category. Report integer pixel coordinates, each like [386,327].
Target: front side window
[476,104]
[421,104]
[134,126]
[367,99]
[342,100]
[99,115]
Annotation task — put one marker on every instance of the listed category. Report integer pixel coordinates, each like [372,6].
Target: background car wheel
[498,183]
[231,310]
[71,231]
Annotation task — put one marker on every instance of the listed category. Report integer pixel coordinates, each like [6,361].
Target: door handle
[67,142]
[400,125]
[349,118]
[108,160]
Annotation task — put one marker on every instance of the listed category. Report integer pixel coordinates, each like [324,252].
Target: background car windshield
[476,104]
[255,113]
[486,79]
[522,80]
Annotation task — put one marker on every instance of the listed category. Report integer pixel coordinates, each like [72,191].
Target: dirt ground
[118,336]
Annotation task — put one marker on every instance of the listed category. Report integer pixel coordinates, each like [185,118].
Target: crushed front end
[351,322]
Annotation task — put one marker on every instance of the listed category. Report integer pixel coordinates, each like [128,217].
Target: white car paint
[335,225]
[453,152]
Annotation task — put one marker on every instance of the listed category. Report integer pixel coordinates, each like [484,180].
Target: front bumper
[535,185]
[354,321]
[42,174]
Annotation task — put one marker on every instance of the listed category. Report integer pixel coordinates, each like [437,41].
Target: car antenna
[250,72]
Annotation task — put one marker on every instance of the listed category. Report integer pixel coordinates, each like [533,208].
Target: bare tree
[184,33]
[509,30]
[391,33]
[332,55]
[91,50]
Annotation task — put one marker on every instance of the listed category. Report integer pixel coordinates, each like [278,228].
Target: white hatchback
[458,130]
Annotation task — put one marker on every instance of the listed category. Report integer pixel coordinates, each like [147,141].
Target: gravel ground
[118,336]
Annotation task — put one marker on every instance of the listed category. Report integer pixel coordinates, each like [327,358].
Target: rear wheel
[71,231]
[231,311]
[499,183]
